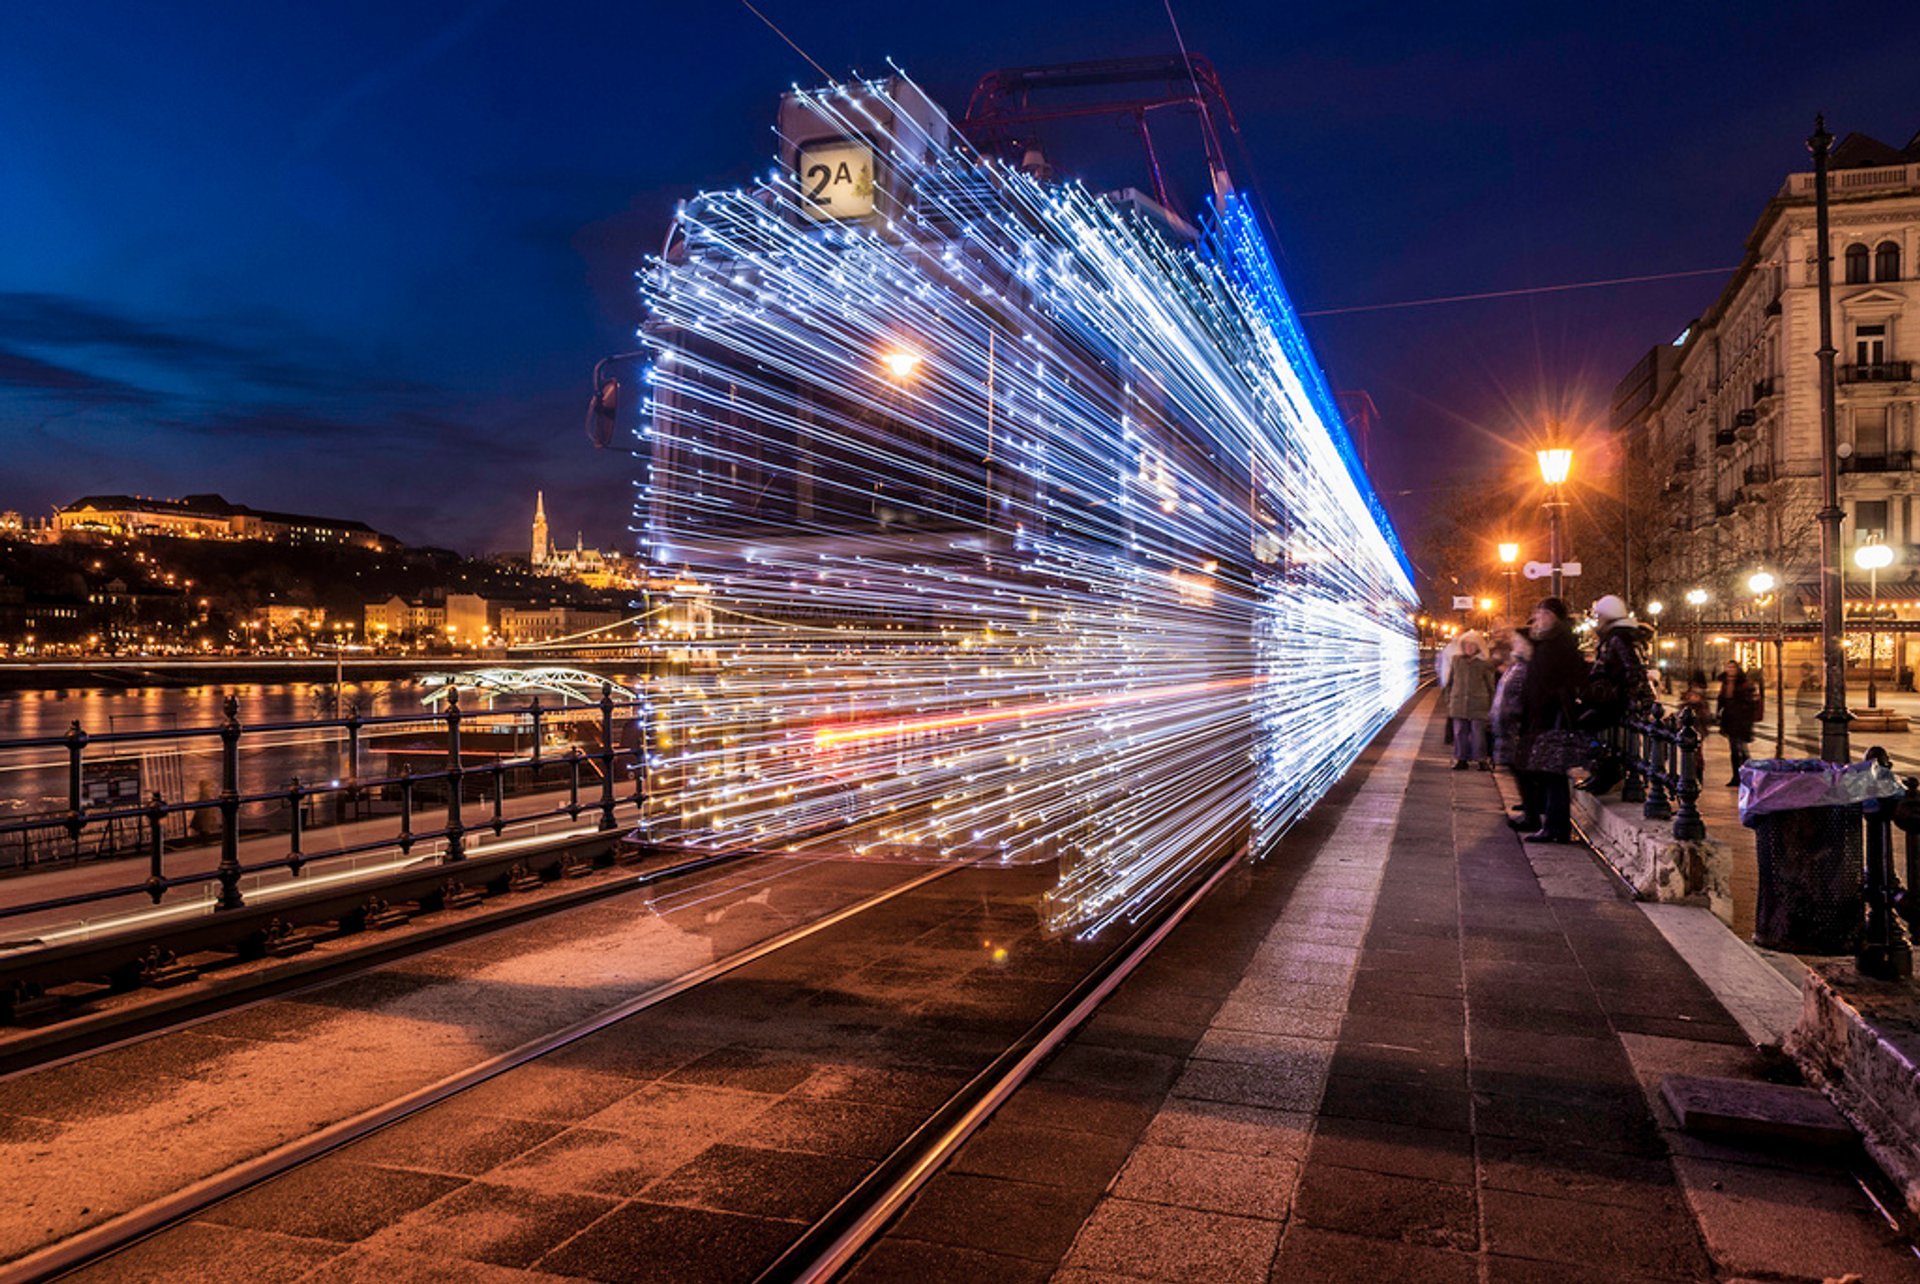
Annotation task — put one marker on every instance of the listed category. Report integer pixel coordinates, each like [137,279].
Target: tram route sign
[835,178]
[1462,603]
[1541,570]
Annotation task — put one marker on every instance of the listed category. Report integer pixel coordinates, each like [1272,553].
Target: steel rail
[831,1243]
[109,1237]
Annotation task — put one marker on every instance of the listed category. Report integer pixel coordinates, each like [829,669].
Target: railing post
[406,809]
[456,832]
[353,748]
[533,707]
[1686,821]
[1885,951]
[1657,803]
[1633,741]
[229,870]
[573,783]
[156,848]
[76,806]
[606,756]
[295,858]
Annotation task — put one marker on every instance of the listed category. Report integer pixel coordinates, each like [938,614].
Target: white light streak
[1024,529]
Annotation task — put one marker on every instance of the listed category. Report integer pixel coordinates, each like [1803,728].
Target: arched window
[1856,264]
[1886,262]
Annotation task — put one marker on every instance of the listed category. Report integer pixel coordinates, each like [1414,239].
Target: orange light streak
[828,737]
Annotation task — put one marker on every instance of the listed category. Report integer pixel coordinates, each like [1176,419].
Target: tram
[1023,523]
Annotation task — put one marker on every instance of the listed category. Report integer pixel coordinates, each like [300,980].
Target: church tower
[542,550]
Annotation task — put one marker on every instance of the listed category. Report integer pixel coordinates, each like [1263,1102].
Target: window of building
[1869,520]
[1856,264]
[1870,344]
[1886,262]
[1870,435]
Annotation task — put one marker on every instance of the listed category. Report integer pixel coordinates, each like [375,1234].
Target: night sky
[359,259]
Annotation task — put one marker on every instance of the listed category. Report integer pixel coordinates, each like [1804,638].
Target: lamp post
[1696,598]
[1761,584]
[1509,554]
[1834,716]
[1873,558]
[1555,463]
[1654,608]
[1486,609]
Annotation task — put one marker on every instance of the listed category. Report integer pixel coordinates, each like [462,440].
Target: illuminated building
[1026,522]
[1730,410]
[210,517]
[588,566]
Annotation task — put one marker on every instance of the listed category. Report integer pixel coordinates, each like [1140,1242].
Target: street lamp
[1555,463]
[1873,558]
[1696,598]
[1486,609]
[1509,554]
[1760,584]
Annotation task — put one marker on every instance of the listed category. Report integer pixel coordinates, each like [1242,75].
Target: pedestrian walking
[1549,743]
[1503,721]
[1741,703]
[1469,694]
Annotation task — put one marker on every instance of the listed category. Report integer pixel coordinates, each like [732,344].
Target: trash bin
[1808,838]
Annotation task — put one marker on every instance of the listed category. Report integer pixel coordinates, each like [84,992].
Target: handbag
[1559,750]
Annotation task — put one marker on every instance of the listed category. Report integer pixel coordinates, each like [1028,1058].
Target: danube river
[35,781]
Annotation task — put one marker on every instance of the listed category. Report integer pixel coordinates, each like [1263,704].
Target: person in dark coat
[1554,676]
[1617,686]
[1739,708]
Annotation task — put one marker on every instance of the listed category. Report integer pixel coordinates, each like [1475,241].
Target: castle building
[589,566]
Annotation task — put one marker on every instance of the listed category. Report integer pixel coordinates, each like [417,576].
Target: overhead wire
[1516,293]
[774,27]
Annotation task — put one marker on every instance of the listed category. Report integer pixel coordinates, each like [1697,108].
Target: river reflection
[35,780]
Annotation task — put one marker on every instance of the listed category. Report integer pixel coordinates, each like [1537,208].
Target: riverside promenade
[1411,1048]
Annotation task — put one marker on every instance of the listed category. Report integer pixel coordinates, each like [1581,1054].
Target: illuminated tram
[1022,521]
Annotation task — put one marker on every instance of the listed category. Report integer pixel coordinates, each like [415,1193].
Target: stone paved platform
[1407,1047]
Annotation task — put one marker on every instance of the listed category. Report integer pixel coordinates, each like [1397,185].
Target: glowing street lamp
[1555,465]
[1873,558]
[900,362]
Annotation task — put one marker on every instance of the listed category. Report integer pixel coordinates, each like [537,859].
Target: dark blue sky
[360,258]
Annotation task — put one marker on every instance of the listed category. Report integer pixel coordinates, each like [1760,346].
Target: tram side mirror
[602,412]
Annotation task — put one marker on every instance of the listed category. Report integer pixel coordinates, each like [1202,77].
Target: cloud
[78,387]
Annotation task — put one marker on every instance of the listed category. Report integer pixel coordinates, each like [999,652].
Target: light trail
[1022,527]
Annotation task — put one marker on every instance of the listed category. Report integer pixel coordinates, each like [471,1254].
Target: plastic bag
[1770,785]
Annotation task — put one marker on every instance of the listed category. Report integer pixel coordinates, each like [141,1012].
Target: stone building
[1727,423]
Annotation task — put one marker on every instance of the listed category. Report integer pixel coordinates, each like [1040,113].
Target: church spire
[541,549]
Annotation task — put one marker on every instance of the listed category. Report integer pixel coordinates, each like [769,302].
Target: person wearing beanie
[1547,695]
[1616,686]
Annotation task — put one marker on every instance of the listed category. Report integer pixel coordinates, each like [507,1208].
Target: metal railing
[1661,753]
[1877,372]
[1888,461]
[484,782]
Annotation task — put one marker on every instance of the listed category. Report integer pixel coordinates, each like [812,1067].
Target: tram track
[108,1238]
[824,1247]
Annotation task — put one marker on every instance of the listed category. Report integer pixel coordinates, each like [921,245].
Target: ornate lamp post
[1654,608]
[1761,584]
[1509,554]
[1555,463]
[1873,558]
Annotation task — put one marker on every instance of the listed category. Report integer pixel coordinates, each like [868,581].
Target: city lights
[1091,573]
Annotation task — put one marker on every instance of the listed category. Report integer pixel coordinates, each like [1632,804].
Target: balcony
[1894,461]
[1878,372]
[1687,462]
[1759,474]
[1763,389]
[1723,507]
[1723,440]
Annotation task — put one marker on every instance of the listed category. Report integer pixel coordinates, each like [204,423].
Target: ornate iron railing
[537,772]
[1661,752]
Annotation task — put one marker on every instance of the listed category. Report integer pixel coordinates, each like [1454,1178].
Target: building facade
[210,517]
[1727,420]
